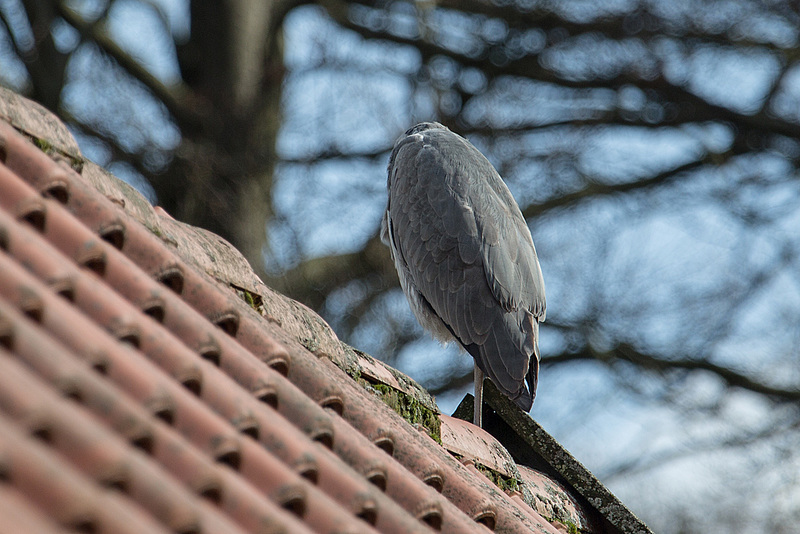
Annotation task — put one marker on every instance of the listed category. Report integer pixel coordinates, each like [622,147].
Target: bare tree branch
[176,99]
[626,352]
[595,189]
[701,446]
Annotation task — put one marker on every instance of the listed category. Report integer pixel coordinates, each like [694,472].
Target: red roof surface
[139,392]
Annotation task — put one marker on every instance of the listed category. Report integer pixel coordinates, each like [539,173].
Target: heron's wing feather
[512,266]
[437,237]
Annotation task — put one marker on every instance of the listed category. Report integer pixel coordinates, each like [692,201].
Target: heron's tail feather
[527,396]
[509,356]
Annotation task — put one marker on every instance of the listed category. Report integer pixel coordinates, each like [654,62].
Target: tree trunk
[221,176]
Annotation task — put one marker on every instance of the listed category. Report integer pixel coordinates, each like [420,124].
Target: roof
[150,382]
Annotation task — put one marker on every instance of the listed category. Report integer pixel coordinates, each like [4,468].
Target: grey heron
[465,258]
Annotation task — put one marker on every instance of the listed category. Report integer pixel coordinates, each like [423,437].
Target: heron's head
[423,126]
[412,135]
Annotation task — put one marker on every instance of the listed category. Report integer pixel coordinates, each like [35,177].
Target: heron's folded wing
[437,232]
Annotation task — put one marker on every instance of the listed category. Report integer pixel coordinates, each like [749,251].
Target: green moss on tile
[310,343]
[572,528]
[43,144]
[406,406]
[503,482]
[253,300]
[48,148]
[355,374]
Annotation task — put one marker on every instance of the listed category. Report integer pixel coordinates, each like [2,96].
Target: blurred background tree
[653,147]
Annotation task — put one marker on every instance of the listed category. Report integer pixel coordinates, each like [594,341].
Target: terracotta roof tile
[140,393]
[18,514]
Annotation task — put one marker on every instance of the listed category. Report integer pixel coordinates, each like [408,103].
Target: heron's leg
[477,413]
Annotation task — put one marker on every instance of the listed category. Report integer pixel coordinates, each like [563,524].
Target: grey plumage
[464,255]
